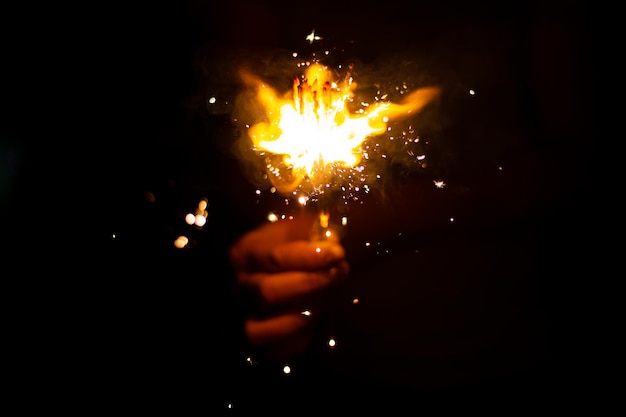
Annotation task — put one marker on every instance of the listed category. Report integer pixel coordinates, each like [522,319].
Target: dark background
[105,104]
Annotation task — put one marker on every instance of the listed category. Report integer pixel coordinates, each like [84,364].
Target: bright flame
[313,130]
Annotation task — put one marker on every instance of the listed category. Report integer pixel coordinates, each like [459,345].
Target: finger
[292,286]
[280,231]
[302,255]
[296,255]
[254,248]
[276,329]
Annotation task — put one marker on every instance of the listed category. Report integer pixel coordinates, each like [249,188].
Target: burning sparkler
[313,138]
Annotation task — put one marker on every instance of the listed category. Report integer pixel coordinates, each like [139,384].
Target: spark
[312,37]
[439,183]
[251,361]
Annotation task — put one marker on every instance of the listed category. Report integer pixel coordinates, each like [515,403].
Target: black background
[104,103]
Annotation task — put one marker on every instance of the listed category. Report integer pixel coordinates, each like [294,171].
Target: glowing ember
[312,136]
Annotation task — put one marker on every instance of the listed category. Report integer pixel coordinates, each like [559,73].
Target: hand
[280,273]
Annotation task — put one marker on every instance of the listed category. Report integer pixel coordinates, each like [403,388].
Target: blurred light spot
[181,242]
[200,220]
[150,197]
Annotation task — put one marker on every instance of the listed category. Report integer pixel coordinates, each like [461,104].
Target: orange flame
[313,129]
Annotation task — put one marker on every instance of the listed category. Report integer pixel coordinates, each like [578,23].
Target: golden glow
[324,219]
[200,220]
[200,215]
[181,242]
[312,129]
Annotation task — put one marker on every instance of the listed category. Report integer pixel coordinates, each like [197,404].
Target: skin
[281,272]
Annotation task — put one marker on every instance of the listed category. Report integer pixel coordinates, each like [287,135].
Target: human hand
[280,272]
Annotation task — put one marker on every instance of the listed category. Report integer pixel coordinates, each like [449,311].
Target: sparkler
[313,138]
